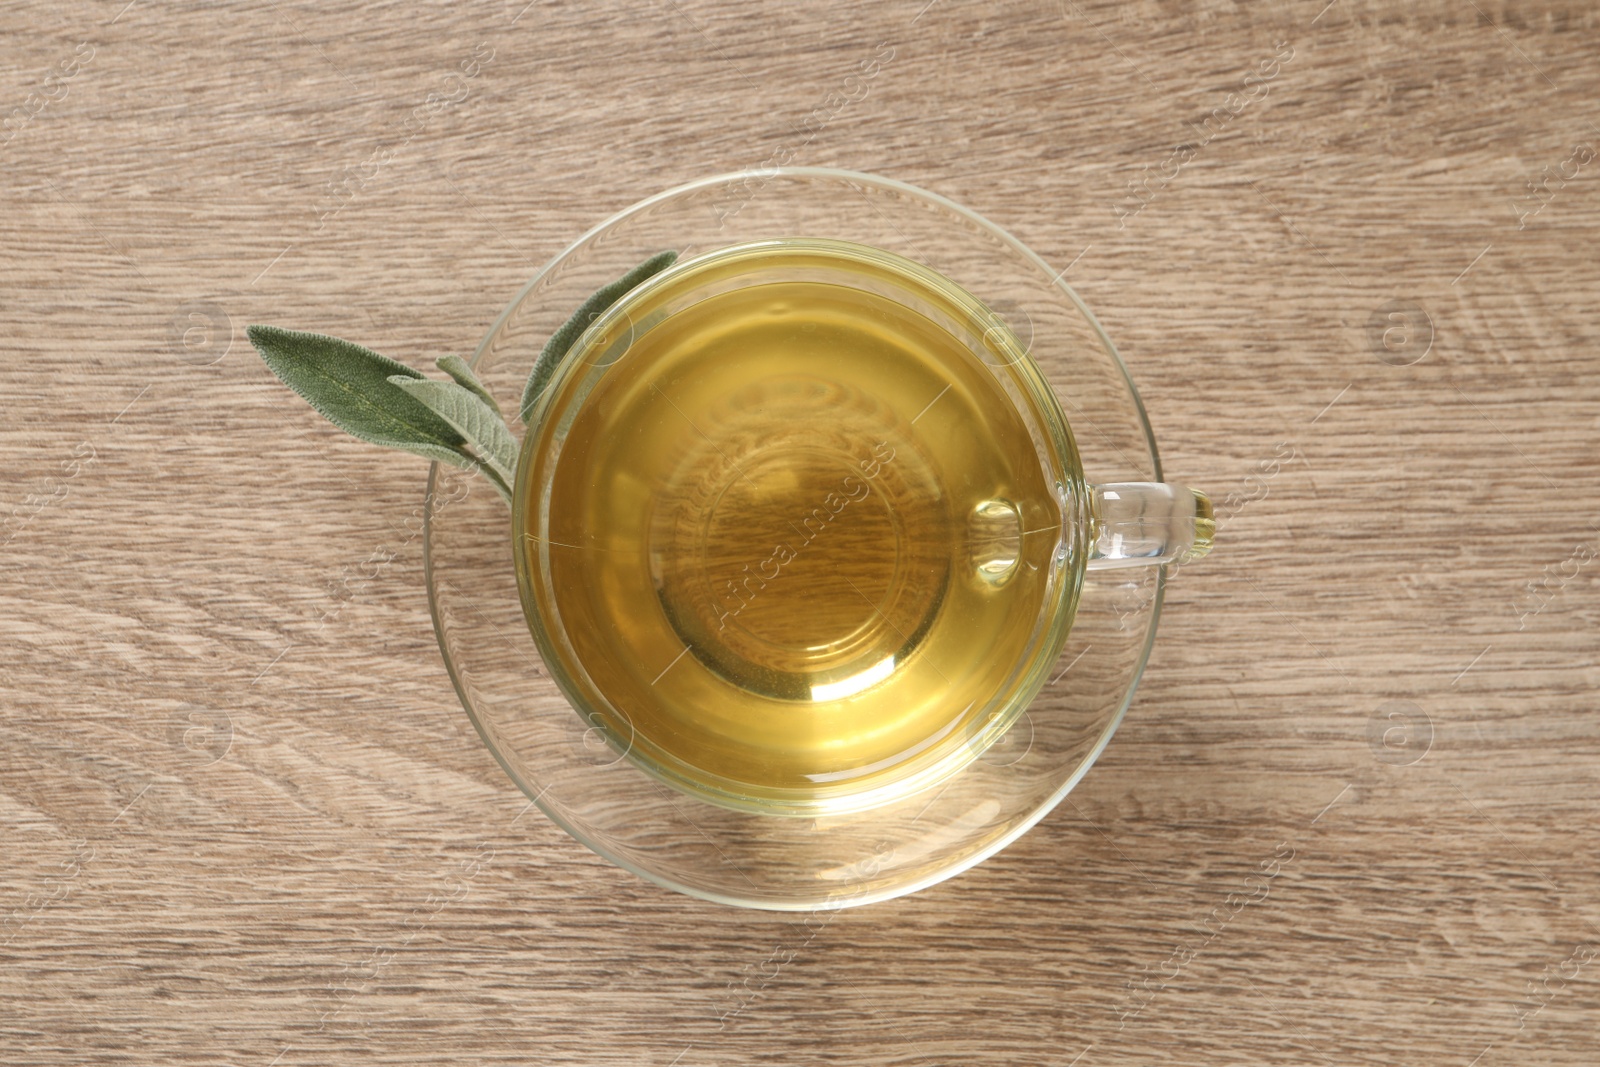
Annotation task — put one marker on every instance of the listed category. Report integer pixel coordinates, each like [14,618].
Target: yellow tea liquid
[797,538]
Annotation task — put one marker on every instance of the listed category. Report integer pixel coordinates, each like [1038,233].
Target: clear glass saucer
[564,763]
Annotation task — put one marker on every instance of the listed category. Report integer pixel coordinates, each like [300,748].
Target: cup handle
[1139,524]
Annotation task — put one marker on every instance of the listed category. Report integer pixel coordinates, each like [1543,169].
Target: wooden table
[234,781]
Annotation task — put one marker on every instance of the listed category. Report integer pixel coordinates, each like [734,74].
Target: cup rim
[945,760]
[1023,824]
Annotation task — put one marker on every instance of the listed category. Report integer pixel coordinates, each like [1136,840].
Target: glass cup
[860,828]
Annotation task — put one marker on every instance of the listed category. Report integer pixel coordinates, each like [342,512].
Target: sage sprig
[354,388]
[387,403]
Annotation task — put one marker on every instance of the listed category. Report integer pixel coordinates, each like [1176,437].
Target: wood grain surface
[243,819]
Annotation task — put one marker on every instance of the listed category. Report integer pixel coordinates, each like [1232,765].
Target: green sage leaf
[467,413]
[560,341]
[353,388]
[458,369]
